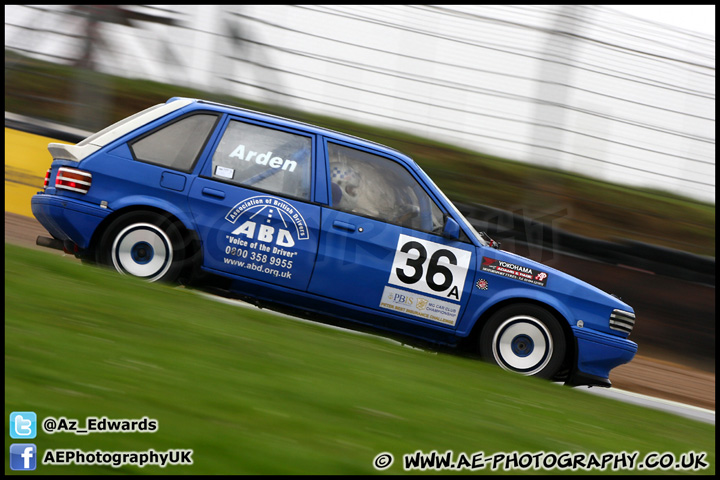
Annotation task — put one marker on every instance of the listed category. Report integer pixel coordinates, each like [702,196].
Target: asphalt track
[684,410]
[27,159]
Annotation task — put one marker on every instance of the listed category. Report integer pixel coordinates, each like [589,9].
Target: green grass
[252,392]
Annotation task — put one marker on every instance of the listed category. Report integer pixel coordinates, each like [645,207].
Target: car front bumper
[596,354]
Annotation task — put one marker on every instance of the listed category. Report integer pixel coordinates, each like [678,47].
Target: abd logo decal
[269,220]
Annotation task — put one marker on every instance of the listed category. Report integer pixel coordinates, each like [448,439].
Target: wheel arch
[473,338]
[193,250]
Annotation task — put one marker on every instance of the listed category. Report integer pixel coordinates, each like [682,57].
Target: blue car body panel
[67,218]
[304,249]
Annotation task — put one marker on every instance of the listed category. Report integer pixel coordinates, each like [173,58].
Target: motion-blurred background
[577,135]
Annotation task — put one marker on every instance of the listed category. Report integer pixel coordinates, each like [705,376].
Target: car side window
[377,187]
[264,158]
[176,145]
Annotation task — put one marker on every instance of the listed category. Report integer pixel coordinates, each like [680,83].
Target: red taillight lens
[47,179]
[73,180]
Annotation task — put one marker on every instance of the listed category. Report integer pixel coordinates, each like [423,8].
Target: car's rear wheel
[525,339]
[143,244]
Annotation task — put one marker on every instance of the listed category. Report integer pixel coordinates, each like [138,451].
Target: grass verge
[251,392]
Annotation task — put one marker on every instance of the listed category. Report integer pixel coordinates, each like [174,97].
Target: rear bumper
[68,219]
[597,354]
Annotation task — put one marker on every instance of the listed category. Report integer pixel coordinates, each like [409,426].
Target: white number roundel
[430,267]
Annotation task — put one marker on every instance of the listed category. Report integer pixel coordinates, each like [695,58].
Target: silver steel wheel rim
[142,250]
[522,344]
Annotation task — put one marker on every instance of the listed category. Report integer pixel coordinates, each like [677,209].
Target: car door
[381,245]
[252,204]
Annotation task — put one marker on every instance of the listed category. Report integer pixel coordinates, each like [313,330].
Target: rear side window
[264,158]
[176,145]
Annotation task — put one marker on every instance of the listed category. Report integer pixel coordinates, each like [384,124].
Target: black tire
[525,339]
[145,245]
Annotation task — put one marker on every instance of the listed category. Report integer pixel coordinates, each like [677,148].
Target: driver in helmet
[345,186]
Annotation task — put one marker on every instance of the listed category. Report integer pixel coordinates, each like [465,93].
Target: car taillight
[47,179]
[73,180]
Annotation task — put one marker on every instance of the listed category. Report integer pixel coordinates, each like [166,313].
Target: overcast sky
[697,18]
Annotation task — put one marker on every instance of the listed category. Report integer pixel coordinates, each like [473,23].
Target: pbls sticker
[430,267]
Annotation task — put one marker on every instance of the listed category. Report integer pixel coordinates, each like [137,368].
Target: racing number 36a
[429,267]
[433,268]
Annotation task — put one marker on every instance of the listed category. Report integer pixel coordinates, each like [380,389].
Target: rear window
[176,145]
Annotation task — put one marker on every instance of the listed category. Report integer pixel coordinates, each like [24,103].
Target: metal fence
[574,87]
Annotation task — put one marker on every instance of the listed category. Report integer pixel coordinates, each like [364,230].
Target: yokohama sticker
[518,272]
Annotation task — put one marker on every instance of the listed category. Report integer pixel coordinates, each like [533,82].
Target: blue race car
[295,215]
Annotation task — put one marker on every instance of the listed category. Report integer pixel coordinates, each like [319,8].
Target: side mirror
[451,229]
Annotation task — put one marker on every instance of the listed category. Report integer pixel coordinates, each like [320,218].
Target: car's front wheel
[143,244]
[525,339]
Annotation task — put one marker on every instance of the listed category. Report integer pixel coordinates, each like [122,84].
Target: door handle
[344,226]
[213,193]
